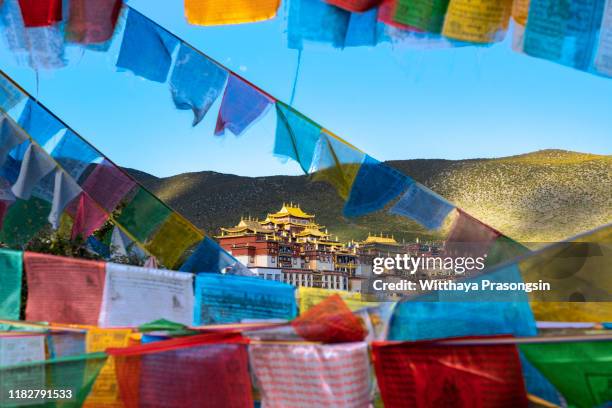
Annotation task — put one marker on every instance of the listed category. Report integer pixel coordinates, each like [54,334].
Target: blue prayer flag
[10,137]
[423,205]
[231,299]
[146,49]
[376,185]
[538,385]
[315,20]
[196,82]
[296,136]
[74,155]
[208,257]
[39,123]
[362,29]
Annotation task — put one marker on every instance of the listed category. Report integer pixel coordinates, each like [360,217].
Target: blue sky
[392,103]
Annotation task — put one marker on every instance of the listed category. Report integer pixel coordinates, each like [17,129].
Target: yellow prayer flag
[220,12]
[478,21]
[310,297]
[105,391]
[172,239]
[520,11]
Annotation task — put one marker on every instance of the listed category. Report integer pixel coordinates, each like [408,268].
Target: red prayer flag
[429,374]
[206,371]
[107,185]
[92,21]
[331,321]
[355,5]
[469,237]
[88,216]
[63,290]
[40,13]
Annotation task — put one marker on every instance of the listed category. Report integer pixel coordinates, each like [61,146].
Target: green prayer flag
[426,15]
[581,371]
[24,219]
[71,377]
[143,215]
[11,269]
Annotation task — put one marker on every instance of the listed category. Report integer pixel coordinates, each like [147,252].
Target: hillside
[542,196]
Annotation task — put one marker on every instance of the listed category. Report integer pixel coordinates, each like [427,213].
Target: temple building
[289,246]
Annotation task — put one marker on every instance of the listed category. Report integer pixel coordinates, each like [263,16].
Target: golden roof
[375,239]
[291,210]
[311,232]
[247,225]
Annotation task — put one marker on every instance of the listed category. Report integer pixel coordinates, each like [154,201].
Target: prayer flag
[354,5]
[581,370]
[310,297]
[39,13]
[537,384]
[423,205]
[10,95]
[72,377]
[208,256]
[362,29]
[11,271]
[63,290]
[21,349]
[135,295]
[375,186]
[92,21]
[143,215]
[107,185]
[88,217]
[231,299]
[603,57]
[220,12]
[469,237]
[477,21]
[242,105]
[39,123]
[66,190]
[216,374]
[171,241]
[146,49]
[426,374]
[504,249]
[23,220]
[35,166]
[315,20]
[520,11]
[424,15]
[296,136]
[312,375]
[196,82]
[65,344]
[10,136]
[74,155]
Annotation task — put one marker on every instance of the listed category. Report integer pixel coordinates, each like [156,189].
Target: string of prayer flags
[105,391]
[87,218]
[146,49]
[196,82]
[309,297]
[563,32]
[428,374]
[65,191]
[423,205]
[74,155]
[134,296]
[71,376]
[208,256]
[143,214]
[355,5]
[469,237]
[63,290]
[39,13]
[11,271]
[92,21]
[219,12]
[315,20]
[296,136]
[580,370]
[330,321]
[477,21]
[232,299]
[35,166]
[424,15]
[291,375]
[241,106]
[375,185]
[173,238]
[336,162]
[603,56]
[216,375]
[107,185]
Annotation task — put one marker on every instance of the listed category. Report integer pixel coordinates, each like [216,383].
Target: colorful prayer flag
[35,166]
[469,237]
[107,185]
[310,297]
[603,57]
[208,256]
[292,375]
[538,385]
[355,5]
[63,290]
[21,349]
[374,187]
[219,12]
[135,295]
[39,13]
[242,105]
[88,217]
[11,271]
[23,220]
[423,205]
[39,123]
[315,20]
[146,49]
[10,95]
[65,191]
[143,215]
[424,15]
[196,82]
[231,299]
[477,21]
[10,136]
[171,241]
[92,21]
[74,155]
[363,29]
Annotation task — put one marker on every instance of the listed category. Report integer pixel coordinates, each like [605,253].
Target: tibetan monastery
[289,246]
